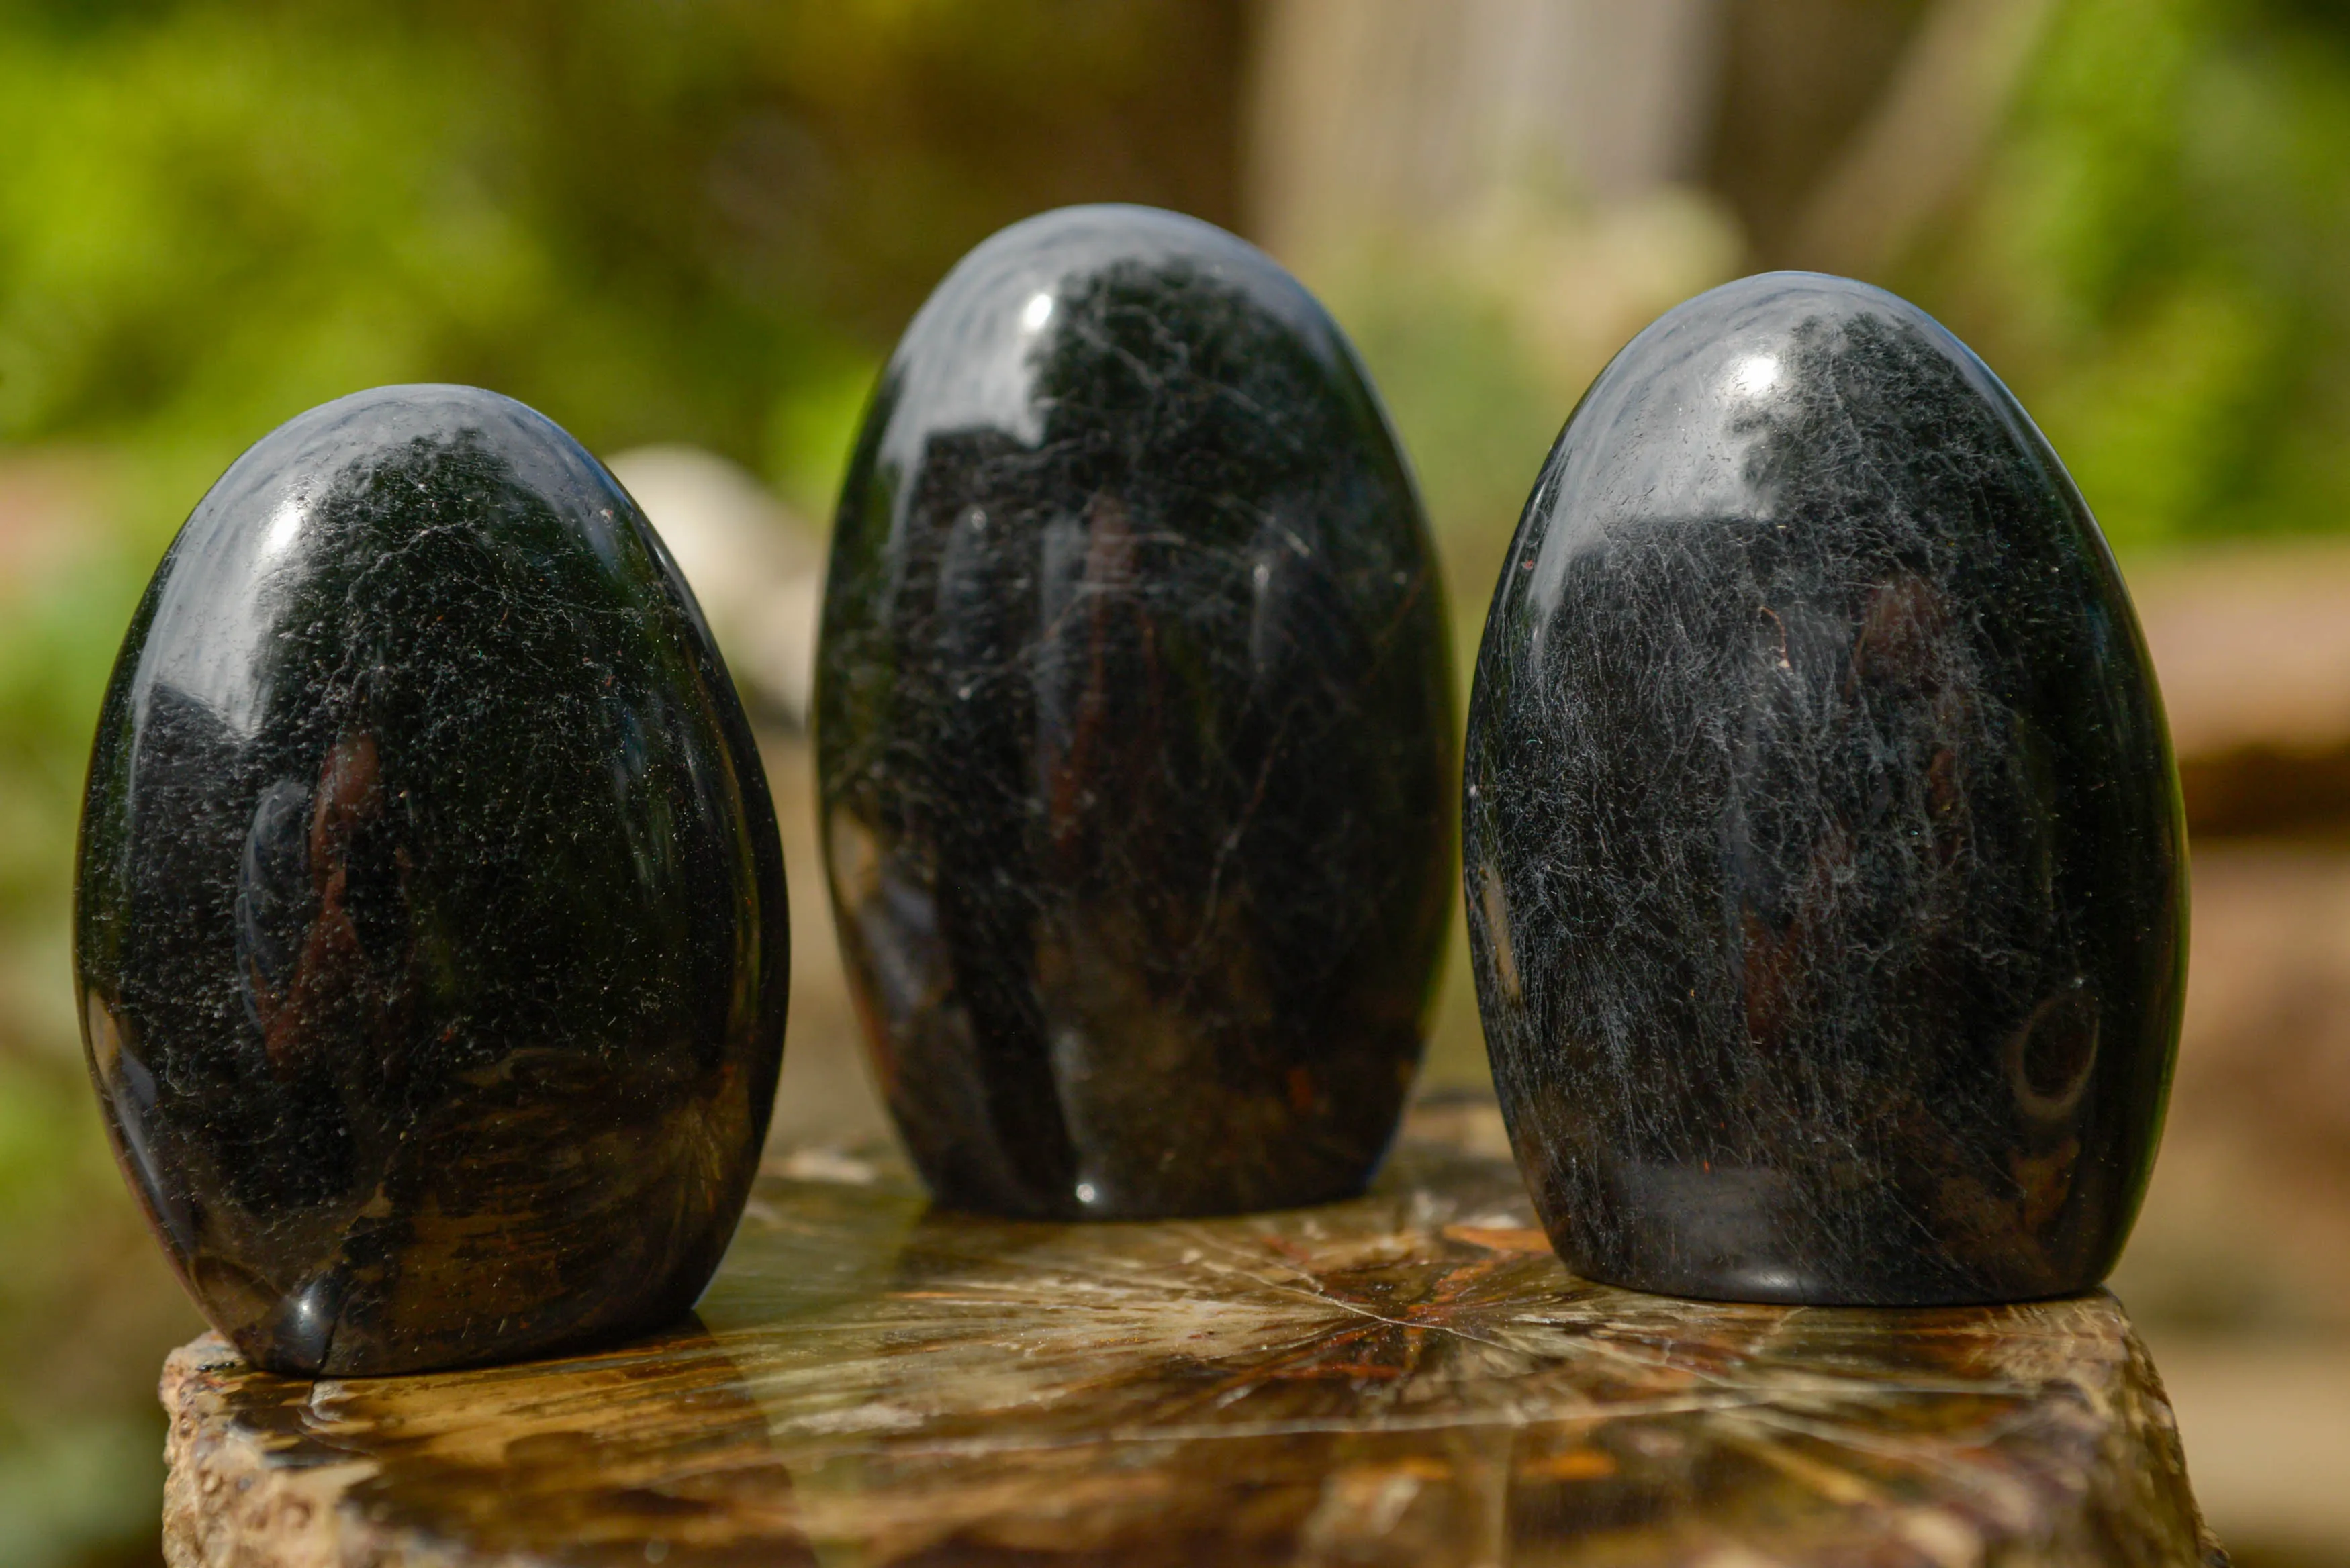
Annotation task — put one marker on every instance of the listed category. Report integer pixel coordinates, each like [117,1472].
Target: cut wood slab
[1407,1378]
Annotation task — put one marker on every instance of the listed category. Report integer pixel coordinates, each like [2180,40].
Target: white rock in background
[756,567]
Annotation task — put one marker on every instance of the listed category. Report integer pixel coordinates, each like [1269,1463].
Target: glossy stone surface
[1822,841]
[1133,723]
[1409,1380]
[430,929]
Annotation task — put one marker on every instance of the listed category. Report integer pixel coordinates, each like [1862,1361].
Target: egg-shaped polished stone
[1822,847]
[430,929]
[1134,729]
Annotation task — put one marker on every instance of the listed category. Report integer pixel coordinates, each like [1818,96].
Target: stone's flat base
[1408,1378]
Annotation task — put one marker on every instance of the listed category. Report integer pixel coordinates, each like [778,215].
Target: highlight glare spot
[284,528]
[1756,376]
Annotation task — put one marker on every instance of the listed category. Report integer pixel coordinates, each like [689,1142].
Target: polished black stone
[430,929]
[1134,732]
[1822,847]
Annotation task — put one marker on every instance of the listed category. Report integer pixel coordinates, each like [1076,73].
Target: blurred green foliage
[653,222]
[2157,257]
[2154,252]
[705,223]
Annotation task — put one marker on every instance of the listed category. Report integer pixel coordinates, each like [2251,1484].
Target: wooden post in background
[1389,116]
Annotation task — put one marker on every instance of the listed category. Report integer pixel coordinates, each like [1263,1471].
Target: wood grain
[1407,1378]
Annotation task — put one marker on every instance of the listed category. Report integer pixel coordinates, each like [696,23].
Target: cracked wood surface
[1409,1378]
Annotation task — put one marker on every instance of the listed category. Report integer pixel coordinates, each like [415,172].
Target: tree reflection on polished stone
[430,932]
[1134,723]
[1822,847]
